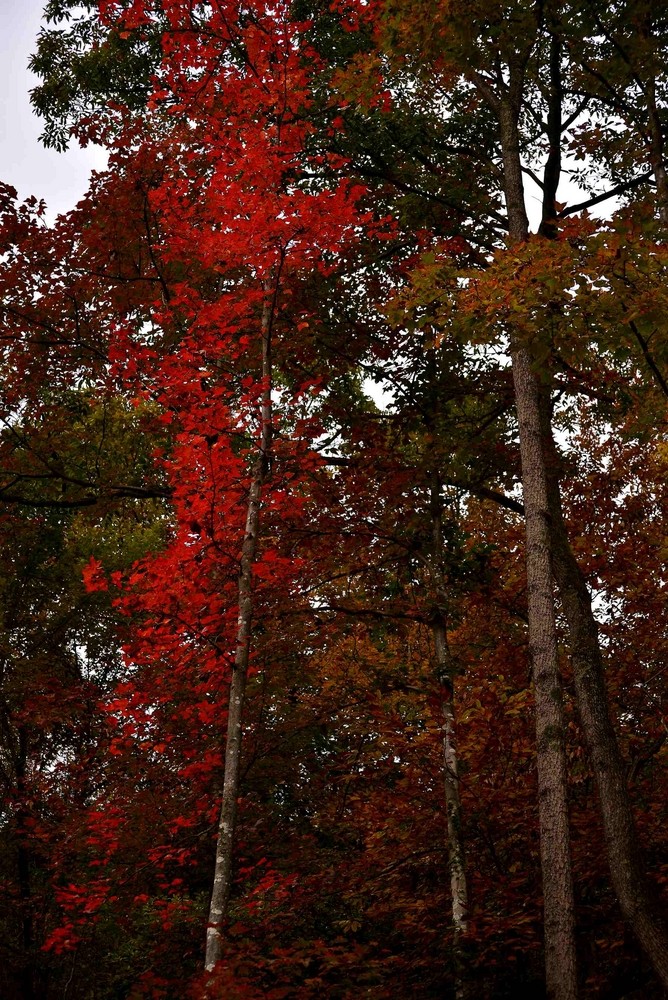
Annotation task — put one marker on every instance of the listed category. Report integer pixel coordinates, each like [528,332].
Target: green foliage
[84,68]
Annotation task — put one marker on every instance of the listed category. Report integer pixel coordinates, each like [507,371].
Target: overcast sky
[59,178]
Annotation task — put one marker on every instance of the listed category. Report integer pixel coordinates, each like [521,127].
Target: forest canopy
[333,506]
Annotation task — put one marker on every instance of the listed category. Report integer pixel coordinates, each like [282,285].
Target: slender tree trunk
[456,851]
[558,903]
[445,672]
[222,882]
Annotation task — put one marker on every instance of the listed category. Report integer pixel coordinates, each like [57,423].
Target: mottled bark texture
[558,903]
[445,674]
[222,882]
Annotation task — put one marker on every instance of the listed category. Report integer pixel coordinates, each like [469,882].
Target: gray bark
[445,672]
[558,902]
[222,882]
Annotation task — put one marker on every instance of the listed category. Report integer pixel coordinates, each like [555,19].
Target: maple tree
[301,197]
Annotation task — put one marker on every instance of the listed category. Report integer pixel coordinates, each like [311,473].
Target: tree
[514,42]
[257,171]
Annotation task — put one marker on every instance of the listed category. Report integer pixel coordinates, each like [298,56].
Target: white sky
[59,178]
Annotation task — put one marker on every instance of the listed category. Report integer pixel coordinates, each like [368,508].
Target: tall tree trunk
[560,964]
[637,897]
[445,672]
[558,903]
[222,882]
